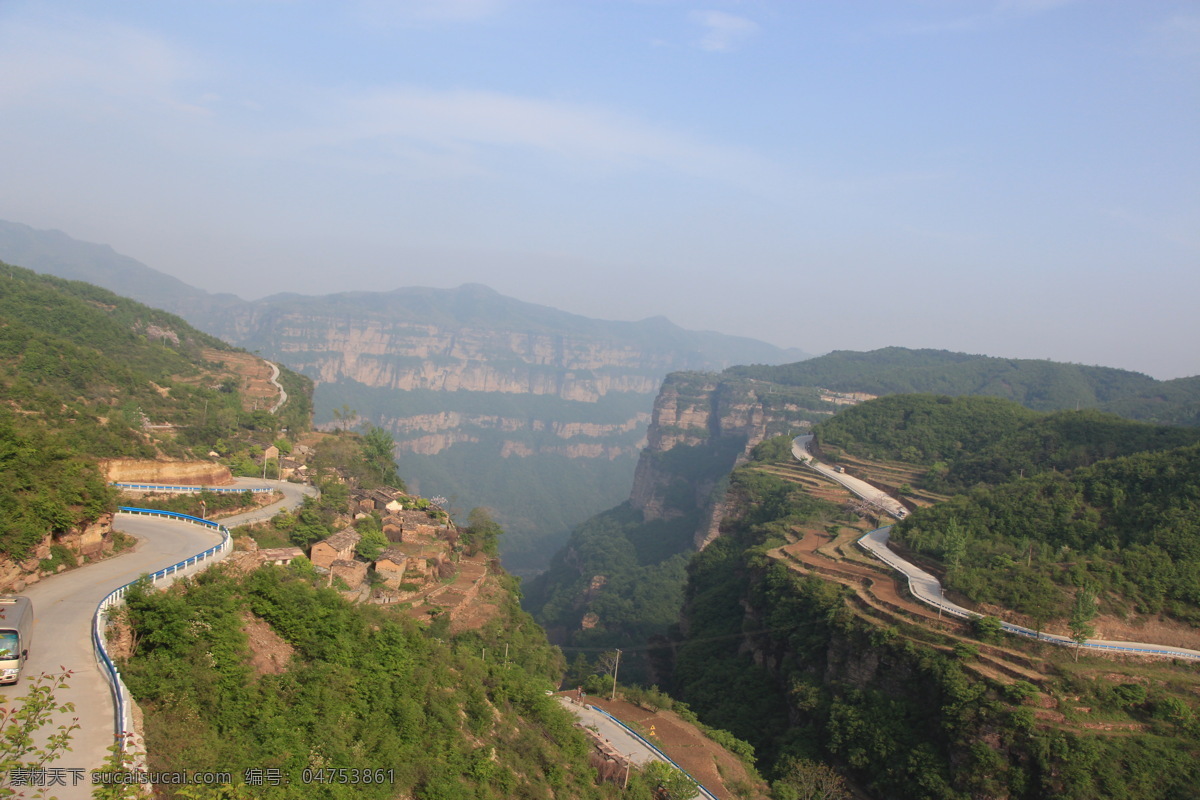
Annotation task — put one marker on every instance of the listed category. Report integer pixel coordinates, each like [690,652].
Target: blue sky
[1018,178]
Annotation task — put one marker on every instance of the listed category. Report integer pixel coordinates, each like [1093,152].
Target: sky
[1018,178]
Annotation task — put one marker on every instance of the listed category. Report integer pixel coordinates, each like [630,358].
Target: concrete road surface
[65,604]
[859,487]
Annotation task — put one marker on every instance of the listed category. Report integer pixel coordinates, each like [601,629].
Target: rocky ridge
[717,421]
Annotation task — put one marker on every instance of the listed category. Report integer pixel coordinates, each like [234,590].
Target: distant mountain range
[537,413]
[534,412]
[1040,385]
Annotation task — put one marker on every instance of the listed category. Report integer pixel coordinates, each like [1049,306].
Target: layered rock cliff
[711,423]
[619,579]
[536,413]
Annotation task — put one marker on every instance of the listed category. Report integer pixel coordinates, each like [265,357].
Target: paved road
[282,394]
[65,604]
[928,589]
[622,739]
[800,449]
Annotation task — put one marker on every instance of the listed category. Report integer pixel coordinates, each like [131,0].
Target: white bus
[16,633]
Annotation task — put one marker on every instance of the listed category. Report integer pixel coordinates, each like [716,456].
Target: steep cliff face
[479,389]
[538,414]
[619,579]
[702,426]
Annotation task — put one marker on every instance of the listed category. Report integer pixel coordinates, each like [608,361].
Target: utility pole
[616,666]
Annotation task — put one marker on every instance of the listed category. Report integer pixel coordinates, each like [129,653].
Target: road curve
[283,395]
[928,589]
[889,504]
[65,605]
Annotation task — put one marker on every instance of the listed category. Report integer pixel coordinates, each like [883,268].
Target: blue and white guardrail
[117,596]
[699,786]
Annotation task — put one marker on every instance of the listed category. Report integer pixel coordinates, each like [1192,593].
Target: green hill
[1036,384]
[1128,527]
[86,374]
[963,441]
[799,667]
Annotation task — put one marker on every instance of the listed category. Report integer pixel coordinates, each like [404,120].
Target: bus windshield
[9,644]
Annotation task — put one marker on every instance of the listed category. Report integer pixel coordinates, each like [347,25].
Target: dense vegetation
[115,378]
[86,374]
[365,689]
[46,487]
[1127,528]
[624,575]
[1040,385]
[782,661]
[964,441]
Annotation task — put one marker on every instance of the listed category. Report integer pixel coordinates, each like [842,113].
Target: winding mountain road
[283,395]
[65,605]
[928,589]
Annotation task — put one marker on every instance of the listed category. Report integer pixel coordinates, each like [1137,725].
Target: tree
[379,453]
[986,629]
[801,779]
[371,543]
[345,416]
[954,545]
[668,782]
[24,748]
[482,532]
[1083,611]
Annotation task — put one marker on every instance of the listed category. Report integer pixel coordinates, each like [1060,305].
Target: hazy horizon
[1015,178]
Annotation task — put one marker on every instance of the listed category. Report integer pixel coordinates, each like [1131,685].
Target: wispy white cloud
[723,32]
[82,70]
[475,126]
[68,59]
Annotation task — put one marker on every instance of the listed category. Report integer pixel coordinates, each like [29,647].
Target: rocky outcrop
[702,426]
[85,542]
[430,434]
[182,473]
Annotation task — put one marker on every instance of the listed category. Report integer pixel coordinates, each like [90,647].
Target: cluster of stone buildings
[418,551]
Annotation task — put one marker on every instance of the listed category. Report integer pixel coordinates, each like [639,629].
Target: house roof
[275,553]
[393,554]
[346,537]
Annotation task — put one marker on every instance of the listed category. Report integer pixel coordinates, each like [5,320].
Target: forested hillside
[1040,385]
[86,375]
[1045,505]
[1125,529]
[120,378]
[366,689]
[962,441]
[792,661]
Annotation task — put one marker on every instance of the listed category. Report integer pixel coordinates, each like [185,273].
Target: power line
[673,643]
